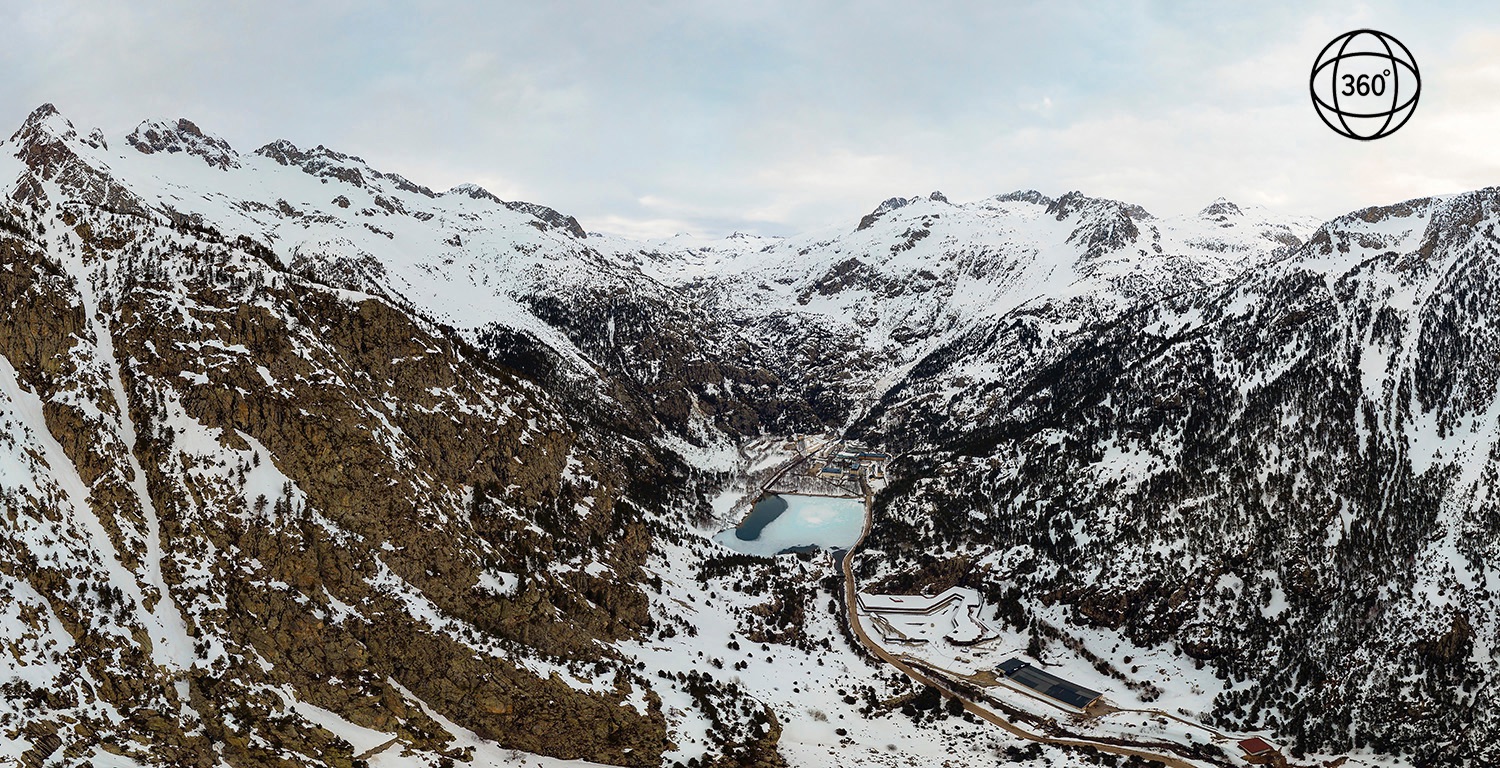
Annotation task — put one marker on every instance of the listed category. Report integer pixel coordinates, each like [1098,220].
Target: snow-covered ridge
[915,272]
[183,135]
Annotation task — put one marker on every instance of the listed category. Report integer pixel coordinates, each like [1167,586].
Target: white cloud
[780,116]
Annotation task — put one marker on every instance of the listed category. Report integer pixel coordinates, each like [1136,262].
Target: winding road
[983,712]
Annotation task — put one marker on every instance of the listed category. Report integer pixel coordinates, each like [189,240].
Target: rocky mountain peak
[406,185]
[153,136]
[320,161]
[546,218]
[1220,210]
[1025,196]
[282,151]
[884,208]
[550,218]
[43,119]
[46,132]
[53,150]
[42,113]
[475,192]
[327,163]
[1077,202]
[44,127]
[1103,225]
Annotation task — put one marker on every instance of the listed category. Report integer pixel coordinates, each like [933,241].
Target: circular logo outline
[1342,127]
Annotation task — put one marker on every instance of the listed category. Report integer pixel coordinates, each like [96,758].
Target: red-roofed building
[1257,750]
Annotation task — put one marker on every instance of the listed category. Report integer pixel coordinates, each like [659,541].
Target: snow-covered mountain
[1289,477]
[302,457]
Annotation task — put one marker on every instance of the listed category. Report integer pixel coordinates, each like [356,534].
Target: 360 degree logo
[1365,84]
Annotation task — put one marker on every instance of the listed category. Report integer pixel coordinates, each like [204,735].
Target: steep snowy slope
[1289,478]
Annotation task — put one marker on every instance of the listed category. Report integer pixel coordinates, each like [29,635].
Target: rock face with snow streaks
[235,498]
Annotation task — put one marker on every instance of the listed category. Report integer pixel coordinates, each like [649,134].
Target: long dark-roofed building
[1049,685]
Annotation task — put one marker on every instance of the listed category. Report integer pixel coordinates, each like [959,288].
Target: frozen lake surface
[780,523]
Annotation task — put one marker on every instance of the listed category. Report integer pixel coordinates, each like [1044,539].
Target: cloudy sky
[653,118]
